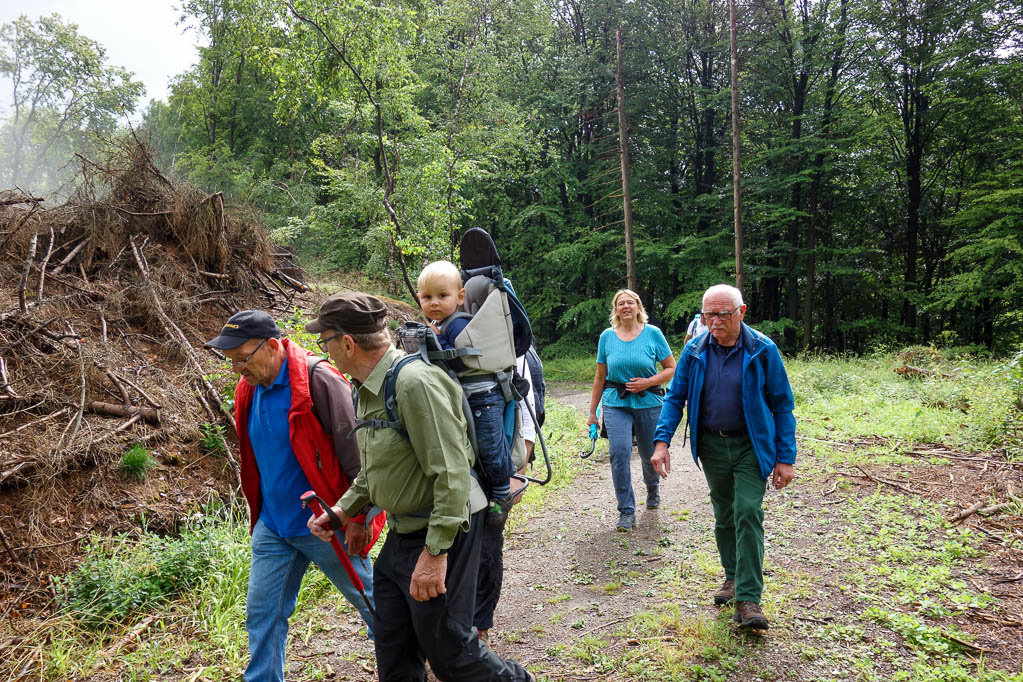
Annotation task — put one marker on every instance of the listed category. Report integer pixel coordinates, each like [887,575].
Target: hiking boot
[653,497]
[725,593]
[749,616]
[625,523]
[497,512]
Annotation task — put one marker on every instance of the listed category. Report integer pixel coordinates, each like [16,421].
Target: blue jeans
[278,565]
[620,422]
[494,452]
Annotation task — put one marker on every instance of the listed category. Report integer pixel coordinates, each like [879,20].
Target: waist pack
[623,392]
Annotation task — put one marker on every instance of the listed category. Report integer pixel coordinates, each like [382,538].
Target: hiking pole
[318,506]
[594,432]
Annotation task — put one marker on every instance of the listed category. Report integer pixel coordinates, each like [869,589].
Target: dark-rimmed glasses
[249,356]
[723,316]
[322,343]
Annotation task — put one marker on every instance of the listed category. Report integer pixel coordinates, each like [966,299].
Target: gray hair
[372,341]
[725,289]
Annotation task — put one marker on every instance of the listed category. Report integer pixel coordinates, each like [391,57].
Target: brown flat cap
[352,313]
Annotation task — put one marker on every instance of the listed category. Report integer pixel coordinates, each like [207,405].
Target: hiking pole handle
[318,506]
[594,432]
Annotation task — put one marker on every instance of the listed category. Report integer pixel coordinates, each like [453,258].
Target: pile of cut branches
[104,304]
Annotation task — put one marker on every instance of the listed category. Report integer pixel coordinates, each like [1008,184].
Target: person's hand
[637,384]
[428,576]
[661,459]
[356,537]
[320,525]
[783,475]
[592,419]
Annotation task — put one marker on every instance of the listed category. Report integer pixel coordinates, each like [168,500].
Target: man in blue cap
[293,418]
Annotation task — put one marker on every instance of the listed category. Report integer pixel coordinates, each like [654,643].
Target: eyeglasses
[322,343]
[723,316]
[249,356]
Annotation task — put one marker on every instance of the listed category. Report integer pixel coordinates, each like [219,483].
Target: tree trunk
[623,136]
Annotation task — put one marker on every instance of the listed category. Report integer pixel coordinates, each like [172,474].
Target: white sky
[140,35]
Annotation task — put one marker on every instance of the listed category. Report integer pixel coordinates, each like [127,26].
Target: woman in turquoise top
[630,386]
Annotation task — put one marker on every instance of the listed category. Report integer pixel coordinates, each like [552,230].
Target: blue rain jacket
[766,399]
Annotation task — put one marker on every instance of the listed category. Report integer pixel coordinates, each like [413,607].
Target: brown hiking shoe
[725,593]
[749,616]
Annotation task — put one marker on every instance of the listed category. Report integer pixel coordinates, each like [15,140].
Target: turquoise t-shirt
[628,359]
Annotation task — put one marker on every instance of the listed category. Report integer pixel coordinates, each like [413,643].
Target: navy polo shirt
[721,400]
[281,479]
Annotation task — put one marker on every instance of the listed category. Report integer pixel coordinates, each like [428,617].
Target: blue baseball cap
[240,327]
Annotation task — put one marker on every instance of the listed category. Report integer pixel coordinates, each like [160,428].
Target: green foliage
[136,462]
[373,138]
[967,404]
[212,440]
[126,575]
[62,93]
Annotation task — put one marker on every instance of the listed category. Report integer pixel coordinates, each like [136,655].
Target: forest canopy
[881,151]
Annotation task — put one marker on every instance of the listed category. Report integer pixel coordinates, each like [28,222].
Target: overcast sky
[139,35]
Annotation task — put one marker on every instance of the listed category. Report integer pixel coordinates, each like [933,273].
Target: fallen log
[966,513]
[150,414]
[994,508]
[23,199]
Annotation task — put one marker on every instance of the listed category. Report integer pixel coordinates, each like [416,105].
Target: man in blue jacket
[743,431]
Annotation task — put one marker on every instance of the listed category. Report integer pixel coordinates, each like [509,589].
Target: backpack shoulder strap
[312,362]
[393,420]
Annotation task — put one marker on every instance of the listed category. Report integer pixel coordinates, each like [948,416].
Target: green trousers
[737,494]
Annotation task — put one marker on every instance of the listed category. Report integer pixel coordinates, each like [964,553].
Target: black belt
[724,434]
[623,391]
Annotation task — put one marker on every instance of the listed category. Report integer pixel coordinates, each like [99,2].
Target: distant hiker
[440,295]
[740,417]
[424,579]
[293,418]
[629,384]
[696,327]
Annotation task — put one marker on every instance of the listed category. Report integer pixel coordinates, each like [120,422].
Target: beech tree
[62,94]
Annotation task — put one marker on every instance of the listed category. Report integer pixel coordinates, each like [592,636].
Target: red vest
[313,447]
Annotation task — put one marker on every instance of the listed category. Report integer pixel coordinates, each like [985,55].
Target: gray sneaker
[625,523]
[653,497]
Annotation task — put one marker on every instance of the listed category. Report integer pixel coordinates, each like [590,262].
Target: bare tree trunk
[623,137]
[736,152]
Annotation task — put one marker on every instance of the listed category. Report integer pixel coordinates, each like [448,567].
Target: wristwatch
[435,552]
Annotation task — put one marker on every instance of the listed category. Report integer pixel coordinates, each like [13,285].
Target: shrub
[212,441]
[123,575]
[136,462]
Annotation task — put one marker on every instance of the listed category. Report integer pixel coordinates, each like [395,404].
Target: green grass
[566,435]
[843,398]
[572,369]
[136,462]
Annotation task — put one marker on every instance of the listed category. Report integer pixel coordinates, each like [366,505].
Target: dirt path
[569,573]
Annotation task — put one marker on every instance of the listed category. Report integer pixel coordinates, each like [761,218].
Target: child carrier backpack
[497,333]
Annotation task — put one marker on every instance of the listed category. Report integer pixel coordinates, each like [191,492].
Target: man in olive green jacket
[424,580]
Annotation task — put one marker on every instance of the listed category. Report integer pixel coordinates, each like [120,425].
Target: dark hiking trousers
[737,495]
[440,631]
[491,575]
